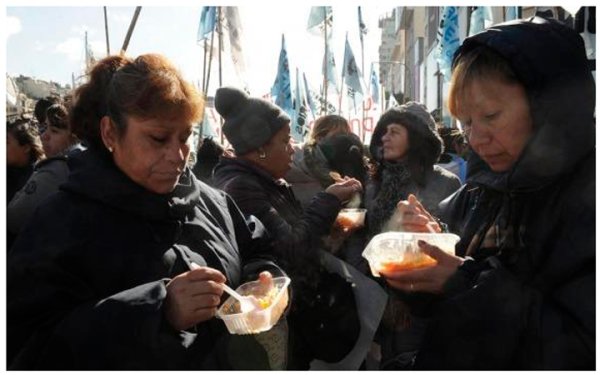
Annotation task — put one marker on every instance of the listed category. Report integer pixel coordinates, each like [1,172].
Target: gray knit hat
[249,122]
[415,117]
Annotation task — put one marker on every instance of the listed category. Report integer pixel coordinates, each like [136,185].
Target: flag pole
[324,106]
[204,65]
[106,32]
[130,30]
[220,32]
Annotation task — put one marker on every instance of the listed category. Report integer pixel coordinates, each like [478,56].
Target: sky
[47,42]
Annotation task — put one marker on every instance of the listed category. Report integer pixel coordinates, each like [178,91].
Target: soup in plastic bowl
[351,218]
[272,304]
[399,251]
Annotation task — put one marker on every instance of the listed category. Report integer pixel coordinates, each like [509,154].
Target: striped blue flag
[329,70]
[447,40]
[208,21]
[281,89]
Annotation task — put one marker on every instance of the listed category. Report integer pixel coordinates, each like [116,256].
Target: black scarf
[395,185]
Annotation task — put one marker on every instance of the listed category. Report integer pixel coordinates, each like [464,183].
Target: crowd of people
[119,249]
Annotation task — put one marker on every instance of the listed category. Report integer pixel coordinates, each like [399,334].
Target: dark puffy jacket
[323,317]
[530,304]
[87,277]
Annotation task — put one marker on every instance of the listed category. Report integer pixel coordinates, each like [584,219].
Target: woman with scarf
[405,148]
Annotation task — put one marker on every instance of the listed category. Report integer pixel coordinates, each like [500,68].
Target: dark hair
[42,105]
[146,87]
[424,150]
[345,154]
[27,134]
[324,124]
[480,62]
[57,116]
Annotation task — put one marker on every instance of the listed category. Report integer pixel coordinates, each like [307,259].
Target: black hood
[96,177]
[549,59]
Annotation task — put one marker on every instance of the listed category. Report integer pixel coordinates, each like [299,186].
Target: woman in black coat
[324,321]
[521,292]
[103,276]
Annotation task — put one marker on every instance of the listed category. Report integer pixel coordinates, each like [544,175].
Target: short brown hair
[146,87]
[324,124]
[479,62]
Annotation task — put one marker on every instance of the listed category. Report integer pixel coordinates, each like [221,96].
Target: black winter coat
[87,276]
[323,317]
[529,302]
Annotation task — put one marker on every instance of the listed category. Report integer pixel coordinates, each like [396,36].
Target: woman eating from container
[124,267]
[520,292]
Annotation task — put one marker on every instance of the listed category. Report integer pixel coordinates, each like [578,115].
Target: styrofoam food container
[258,320]
[402,249]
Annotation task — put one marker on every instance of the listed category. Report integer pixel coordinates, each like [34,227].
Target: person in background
[309,172]
[405,147]
[520,292]
[327,328]
[40,108]
[124,267]
[454,152]
[23,150]
[208,155]
[58,142]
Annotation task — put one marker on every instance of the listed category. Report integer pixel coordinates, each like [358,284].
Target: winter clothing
[87,277]
[47,176]
[312,163]
[324,322]
[249,122]
[16,178]
[413,116]
[405,319]
[527,299]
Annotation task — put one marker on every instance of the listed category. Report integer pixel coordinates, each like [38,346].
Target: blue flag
[374,85]
[208,21]
[299,122]
[352,77]
[329,70]
[362,28]
[281,89]
[447,40]
[309,98]
[512,13]
[317,18]
[481,17]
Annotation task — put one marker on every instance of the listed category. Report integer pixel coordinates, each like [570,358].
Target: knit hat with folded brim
[412,115]
[249,122]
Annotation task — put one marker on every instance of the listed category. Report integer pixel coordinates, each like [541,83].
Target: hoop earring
[262,154]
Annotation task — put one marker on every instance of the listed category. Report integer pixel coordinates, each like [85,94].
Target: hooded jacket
[530,302]
[87,277]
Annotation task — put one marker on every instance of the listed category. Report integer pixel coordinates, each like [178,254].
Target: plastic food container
[258,320]
[351,218]
[399,251]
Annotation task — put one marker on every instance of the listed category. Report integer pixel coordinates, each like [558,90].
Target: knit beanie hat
[249,122]
[413,116]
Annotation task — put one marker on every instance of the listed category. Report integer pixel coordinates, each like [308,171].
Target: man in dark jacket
[524,295]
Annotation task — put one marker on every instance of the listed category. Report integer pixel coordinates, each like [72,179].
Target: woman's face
[279,153]
[55,140]
[496,119]
[16,155]
[395,142]
[152,152]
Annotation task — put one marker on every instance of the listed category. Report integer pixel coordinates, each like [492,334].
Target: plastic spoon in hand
[247,303]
